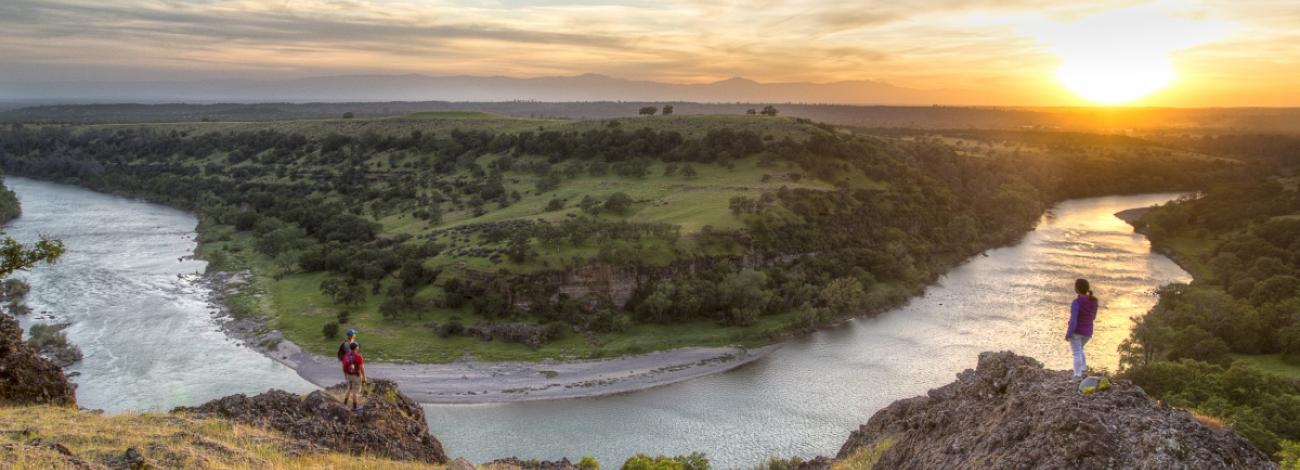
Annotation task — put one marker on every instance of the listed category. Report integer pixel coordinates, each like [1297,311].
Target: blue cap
[351,332]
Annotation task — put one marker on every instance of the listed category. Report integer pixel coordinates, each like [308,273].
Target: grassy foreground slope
[173,441]
[440,234]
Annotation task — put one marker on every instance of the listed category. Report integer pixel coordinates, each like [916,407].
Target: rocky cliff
[1010,412]
[388,425]
[25,377]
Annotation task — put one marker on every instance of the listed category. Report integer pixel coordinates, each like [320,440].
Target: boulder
[1010,412]
[389,424]
[516,463]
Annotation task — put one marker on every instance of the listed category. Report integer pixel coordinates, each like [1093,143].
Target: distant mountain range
[587,87]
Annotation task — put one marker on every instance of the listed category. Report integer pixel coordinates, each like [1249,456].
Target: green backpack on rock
[1094,384]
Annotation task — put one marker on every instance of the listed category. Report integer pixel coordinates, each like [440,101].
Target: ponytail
[1082,287]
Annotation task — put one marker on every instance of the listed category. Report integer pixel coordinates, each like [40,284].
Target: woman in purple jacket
[1082,312]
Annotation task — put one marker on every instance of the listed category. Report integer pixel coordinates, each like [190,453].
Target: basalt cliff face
[26,378]
[1010,412]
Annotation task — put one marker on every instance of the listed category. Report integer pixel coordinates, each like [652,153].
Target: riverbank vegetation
[9,207]
[1228,344]
[443,234]
[50,341]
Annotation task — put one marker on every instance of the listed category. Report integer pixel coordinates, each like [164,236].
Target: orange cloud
[980,47]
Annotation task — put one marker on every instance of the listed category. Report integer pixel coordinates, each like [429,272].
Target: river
[137,309]
[151,342]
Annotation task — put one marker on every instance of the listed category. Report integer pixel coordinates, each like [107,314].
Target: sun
[1115,80]
[1121,56]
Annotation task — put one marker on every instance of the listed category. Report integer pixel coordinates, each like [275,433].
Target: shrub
[777,463]
[14,289]
[619,203]
[1195,343]
[330,330]
[51,342]
[1289,339]
[693,461]
[453,327]
[645,462]
[1289,456]
[1275,289]
[844,295]
[344,317]
[588,463]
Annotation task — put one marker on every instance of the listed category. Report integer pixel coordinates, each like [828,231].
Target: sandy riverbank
[491,382]
[471,381]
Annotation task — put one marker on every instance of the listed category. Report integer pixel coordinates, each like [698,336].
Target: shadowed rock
[25,377]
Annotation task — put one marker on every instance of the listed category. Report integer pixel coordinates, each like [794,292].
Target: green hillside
[1228,344]
[444,233]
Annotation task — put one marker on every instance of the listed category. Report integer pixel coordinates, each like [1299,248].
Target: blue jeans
[1080,362]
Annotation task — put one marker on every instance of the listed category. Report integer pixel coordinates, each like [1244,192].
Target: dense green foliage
[9,207]
[1261,407]
[693,461]
[15,256]
[471,222]
[1241,240]
[1289,455]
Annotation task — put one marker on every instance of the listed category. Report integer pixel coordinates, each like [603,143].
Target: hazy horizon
[995,52]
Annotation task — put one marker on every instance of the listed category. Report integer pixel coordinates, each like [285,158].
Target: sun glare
[1120,56]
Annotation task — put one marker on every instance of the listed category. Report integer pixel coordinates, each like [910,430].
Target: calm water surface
[806,397]
[151,343]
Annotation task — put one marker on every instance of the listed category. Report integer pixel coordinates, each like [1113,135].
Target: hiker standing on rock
[1082,312]
[346,345]
[354,369]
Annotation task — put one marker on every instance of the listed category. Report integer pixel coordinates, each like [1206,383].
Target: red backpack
[350,363]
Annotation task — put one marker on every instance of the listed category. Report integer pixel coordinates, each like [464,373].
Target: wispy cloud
[968,44]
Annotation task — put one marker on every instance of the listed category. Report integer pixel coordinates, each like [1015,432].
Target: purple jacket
[1082,312]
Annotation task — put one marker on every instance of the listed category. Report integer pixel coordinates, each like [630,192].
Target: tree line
[902,211]
[1244,300]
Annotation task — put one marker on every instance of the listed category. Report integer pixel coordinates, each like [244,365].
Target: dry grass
[1212,422]
[28,435]
[865,457]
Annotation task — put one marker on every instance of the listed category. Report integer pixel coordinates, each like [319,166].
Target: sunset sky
[1024,52]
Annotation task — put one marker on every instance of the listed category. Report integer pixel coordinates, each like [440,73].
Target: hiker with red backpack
[346,345]
[354,369]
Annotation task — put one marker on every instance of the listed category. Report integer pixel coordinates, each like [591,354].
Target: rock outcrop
[26,378]
[515,463]
[389,424]
[1010,412]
